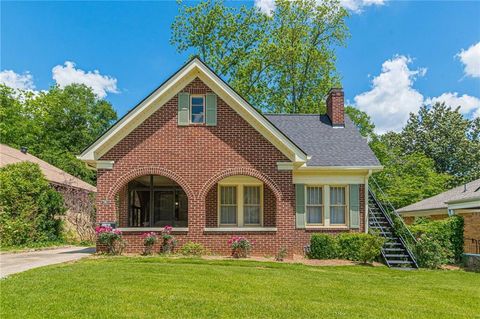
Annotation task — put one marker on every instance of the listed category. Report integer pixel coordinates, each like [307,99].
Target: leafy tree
[284,63]
[17,125]
[447,137]
[362,120]
[55,125]
[29,206]
[406,178]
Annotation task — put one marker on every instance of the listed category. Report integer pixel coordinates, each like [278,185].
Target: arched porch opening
[240,201]
[154,201]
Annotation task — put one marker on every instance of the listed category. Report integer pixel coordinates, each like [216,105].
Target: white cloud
[392,96]
[468,104]
[266,6]
[17,81]
[356,6]
[471,59]
[101,84]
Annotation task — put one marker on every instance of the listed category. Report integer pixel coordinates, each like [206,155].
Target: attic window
[197,109]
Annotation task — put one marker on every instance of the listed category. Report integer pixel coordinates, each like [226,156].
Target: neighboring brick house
[195,155]
[462,200]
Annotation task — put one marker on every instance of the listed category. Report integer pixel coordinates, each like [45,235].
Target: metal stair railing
[394,219]
[382,232]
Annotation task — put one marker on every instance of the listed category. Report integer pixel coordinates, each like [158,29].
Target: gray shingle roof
[326,145]
[465,192]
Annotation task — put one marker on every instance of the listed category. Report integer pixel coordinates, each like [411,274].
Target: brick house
[463,201]
[195,155]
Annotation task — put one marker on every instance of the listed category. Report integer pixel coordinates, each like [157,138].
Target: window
[314,205]
[197,109]
[251,205]
[338,206]
[240,202]
[228,205]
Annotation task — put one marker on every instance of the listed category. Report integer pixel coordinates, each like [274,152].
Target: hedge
[352,246]
[438,242]
[29,206]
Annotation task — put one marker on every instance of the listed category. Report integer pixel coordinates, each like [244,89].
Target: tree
[447,137]
[284,63]
[55,125]
[362,121]
[406,178]
[17,125]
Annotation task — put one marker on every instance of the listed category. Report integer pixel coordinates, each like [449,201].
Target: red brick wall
[197,157]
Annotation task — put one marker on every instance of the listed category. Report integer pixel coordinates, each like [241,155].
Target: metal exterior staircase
[397,248]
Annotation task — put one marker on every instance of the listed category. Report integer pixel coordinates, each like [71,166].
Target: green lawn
[128,287]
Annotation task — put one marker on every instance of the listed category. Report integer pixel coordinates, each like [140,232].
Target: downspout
[366,200]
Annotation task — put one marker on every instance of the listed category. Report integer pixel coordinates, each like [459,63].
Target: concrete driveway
[18,262]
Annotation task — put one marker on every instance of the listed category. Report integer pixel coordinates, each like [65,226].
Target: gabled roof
[469,191]
[9,155]
[191,70]
[326,145]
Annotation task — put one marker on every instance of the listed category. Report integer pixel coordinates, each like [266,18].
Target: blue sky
[400,53]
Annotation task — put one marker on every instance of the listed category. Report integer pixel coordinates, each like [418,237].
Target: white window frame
[192,96]
[322,205]
[347,210]
[219,195]
[240,202]
[326,207]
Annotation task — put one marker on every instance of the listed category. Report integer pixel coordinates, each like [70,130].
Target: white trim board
[194,68]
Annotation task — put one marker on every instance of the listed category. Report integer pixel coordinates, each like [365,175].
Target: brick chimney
[335,107]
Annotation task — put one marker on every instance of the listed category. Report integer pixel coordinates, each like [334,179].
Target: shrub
[349,245]
[448,233]
[370,248]
[322,246]
[352,246]
[149,239]
[359,246]
[112,238]
[29,206]
[193,249]
[430,253]
[240,246]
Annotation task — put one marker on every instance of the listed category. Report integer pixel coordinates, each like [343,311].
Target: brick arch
[125,178]
[238,171]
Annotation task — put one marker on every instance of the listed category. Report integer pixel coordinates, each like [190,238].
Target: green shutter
[183,108]
[300,205]
[354,206]
[211,109]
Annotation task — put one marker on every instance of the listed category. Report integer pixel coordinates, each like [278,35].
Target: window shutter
[183,108]
[354,206]
[300,205]
[211,109]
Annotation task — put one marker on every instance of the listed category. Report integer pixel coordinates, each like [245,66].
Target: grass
[156,287]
